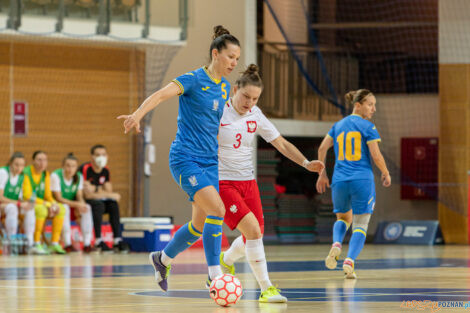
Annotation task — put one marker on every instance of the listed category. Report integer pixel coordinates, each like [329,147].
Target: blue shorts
[192,173]
[358,195]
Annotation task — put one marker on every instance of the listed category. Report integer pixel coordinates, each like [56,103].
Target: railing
[104,12]
[287,94]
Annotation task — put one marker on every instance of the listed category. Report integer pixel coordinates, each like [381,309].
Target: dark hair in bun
[250,77]
[221,39]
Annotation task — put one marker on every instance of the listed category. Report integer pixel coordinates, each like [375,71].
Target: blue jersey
[201,105]
[351,136]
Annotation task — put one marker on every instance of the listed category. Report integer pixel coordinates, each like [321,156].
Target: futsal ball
[225,290]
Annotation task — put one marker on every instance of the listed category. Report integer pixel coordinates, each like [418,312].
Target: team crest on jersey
[193,180]
[251,126]
[215,105]
[233,208]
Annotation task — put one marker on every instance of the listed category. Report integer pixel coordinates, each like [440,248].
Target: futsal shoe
[70,249]
[348,268]
[161,271]
[331,260]
[103,248]
[56,249]
[121,247]
[38,249]
[272,295]
[226,269]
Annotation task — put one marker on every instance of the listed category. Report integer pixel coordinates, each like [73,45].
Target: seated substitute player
[99,194]
[37,189]
[241,121]
[355,141]
[67,188]
[11,184]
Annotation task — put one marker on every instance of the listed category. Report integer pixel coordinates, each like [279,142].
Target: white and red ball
[226,290]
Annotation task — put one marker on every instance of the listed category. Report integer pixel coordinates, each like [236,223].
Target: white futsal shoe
[331,260]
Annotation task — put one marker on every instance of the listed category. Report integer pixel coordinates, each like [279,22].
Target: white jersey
[237,134]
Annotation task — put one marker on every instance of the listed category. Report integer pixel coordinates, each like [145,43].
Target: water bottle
[5,246]
[14,245]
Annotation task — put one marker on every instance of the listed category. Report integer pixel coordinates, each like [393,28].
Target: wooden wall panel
[454,157]
[74,93]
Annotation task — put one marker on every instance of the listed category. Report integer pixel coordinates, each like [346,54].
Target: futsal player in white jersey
[240,123]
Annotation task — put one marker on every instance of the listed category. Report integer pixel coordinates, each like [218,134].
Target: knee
[62,210]
[220,211]
[40,211]
[253,233]
[11,210]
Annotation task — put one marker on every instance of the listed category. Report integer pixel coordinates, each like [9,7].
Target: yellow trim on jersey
[347,224]
[180,181]
[378,140]
[217,81]
[214,221]
[360,231]
[370,200]
[192,231]
[329,136]
[179,85]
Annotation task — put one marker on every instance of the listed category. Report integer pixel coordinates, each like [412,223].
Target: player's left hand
[386,180]
[315,166]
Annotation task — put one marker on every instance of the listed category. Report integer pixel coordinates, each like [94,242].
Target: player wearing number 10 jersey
[355,141]
[240,123]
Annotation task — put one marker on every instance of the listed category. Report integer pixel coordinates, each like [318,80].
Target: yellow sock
[38,230]
[57,223]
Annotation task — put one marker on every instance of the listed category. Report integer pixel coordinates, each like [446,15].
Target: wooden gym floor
[388,277]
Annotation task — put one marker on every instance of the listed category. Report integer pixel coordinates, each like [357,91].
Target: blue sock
[212,239]
[356,243]
[339,230]
[183,239]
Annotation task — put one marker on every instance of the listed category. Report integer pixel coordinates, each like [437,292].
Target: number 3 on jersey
[239,141]
[353,153]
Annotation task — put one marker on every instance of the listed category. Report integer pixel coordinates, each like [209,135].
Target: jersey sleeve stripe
[378,140]
[179,85]
[328,135]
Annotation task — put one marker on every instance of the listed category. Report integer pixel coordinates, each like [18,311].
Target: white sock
[117,240]
[98,241]
[66,228]
[257,260]
[29,225]
[165,259]
[11,219]
[214,271]
[55,243]
[235,252]
[86,226]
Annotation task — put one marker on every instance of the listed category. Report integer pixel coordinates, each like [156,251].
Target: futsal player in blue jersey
[193,154]
[355,141]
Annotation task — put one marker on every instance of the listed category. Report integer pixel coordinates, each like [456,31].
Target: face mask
[101,161]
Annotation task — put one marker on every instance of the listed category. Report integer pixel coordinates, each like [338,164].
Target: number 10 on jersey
[353,146]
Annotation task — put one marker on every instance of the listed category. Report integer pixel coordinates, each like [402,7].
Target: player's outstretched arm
[292,153]
[133,120]
[380,163]
[323,182]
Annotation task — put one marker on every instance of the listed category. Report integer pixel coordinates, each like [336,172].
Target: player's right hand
[322,183]
[130,121]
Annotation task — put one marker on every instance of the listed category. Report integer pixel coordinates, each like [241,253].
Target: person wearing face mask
[240,123]
[37,190]
[193,154]
[67,188]
[356,144]
[12,205]
[98,192]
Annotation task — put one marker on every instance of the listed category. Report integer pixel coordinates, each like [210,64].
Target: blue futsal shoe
[161,271]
